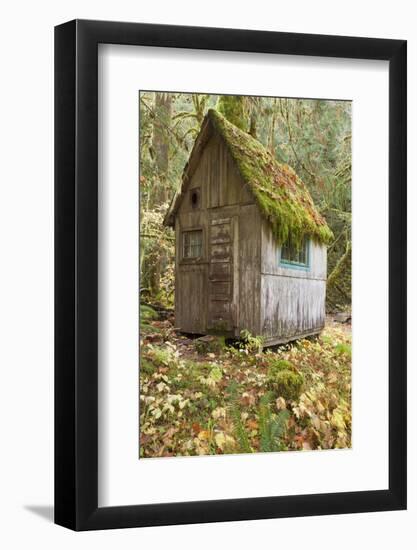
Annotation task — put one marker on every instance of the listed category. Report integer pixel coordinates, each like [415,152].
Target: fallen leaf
[196,428]
[204,435]
[280,403]
[220,440]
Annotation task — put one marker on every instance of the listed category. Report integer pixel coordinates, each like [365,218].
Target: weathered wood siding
[207,295]
[237,283]
[190,284]
[249,269]
[220,298]
[292,300]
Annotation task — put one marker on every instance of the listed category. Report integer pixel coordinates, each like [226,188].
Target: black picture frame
[76,272]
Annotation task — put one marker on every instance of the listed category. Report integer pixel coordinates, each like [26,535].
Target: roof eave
[189,169]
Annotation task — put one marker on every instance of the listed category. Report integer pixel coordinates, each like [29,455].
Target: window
[293,256]
[192,244]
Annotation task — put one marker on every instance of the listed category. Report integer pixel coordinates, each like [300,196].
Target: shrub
[285,380]
[279,365]
[208,374]
[249,343]
[162,356]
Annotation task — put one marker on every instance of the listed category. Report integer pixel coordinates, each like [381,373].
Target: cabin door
[223,262]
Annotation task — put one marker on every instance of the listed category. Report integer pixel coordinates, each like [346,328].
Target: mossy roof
[283,199]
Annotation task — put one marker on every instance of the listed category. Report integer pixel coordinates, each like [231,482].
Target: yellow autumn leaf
[337,420]
[203,435]
[220,440]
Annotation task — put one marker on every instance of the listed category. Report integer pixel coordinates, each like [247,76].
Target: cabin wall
[191,280]
[292,300]
[207,290]
[237,283]
[249,269]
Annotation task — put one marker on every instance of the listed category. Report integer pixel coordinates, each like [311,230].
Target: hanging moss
[281,195]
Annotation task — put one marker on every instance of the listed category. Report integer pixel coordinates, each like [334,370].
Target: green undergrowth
[147,314]
[284,379]
[233,400]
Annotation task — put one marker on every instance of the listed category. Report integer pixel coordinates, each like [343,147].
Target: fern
[272,427]
[238,426]
[249,343]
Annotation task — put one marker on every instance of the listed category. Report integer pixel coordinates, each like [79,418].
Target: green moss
[146,367]
[147,313]
[281,195]
[344,349]
[233,109]
[209,344]
[279,365]
[219,327]
[285,380]
[339,282]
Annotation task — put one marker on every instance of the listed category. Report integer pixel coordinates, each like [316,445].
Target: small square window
[192,244]
[295,256]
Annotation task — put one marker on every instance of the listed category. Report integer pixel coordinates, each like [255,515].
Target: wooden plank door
[220,298]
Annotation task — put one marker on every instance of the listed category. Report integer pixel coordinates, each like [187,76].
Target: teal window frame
[288,264]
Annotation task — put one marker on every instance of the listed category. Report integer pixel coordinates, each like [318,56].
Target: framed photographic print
[230,338]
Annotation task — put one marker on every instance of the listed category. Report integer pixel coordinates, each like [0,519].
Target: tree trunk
[160,144]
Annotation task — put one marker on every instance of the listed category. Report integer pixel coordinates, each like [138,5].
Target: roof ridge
[281,195]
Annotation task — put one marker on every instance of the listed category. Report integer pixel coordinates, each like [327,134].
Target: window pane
[192,244]
[293,255]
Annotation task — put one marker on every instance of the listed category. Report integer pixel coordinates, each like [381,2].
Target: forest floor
[201,396]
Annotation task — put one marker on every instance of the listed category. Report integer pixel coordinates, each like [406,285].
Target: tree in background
[233,108]
[312,136]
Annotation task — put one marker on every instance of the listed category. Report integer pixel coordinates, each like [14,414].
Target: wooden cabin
[250,245]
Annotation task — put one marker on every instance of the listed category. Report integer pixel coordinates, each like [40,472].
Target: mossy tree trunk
[339,282]
[232,107]
[160,144]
